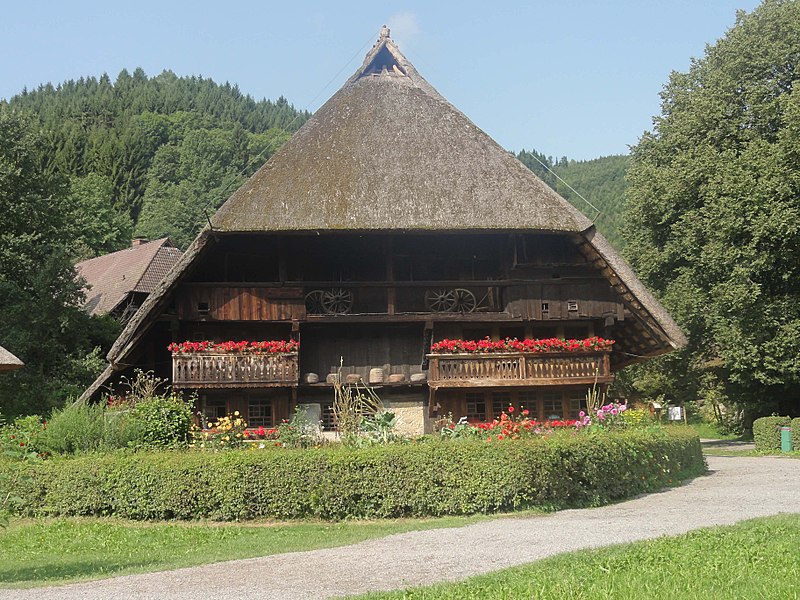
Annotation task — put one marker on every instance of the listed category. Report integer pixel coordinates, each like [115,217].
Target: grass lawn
[754,559]
[711,431]
[48,551]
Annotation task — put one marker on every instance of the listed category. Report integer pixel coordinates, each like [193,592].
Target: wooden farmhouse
[388,223]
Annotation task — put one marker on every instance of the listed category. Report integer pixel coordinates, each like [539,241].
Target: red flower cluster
[507,427]
[487,346]
[265,347]
[261,434]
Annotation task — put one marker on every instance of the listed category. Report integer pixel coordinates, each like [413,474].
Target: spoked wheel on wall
[337,301]
[465,301]
[314,302]
[440,300]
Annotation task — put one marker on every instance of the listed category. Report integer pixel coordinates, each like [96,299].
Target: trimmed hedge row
[426,478]
[767,434]
[796,434]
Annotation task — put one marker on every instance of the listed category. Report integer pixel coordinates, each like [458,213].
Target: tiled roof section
[159,267]
[112,277]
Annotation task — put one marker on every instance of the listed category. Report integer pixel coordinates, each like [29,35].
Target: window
[576,405]
[500,403]
[203,309]
[476,406]
[528,400]
[259,412]
[572,305]
[214,409]
[553,407]
[326,416]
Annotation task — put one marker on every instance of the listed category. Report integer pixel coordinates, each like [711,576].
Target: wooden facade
[357,302]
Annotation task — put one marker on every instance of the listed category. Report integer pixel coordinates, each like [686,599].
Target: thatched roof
[387,152]
[111,277]
[9,362]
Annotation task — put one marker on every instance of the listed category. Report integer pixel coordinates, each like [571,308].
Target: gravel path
[735,489]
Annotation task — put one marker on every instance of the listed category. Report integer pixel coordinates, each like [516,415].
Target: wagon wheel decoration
[464,301]
[440,300]
[337,301]
[314,302]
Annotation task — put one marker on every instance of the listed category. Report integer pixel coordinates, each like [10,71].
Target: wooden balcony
[519,369]
[233,370]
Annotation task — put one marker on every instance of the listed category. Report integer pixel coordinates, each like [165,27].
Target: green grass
[48,551]
[754,559]
[712,431]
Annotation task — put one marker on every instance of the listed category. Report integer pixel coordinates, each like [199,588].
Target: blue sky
[574,78]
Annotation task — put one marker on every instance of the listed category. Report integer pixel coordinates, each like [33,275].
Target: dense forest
[161,151]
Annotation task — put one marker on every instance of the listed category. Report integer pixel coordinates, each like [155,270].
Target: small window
[203,308]
[500,403]
[572,306]
[259,413]
[214,409]
[476,406]
[553,407]
[528,400]
[545,306]
[576,405]
[326,417]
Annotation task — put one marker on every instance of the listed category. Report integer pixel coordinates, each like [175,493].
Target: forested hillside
[160,150]
[601,181]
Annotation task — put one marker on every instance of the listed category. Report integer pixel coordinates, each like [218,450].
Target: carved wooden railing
[508,369]
[230,369]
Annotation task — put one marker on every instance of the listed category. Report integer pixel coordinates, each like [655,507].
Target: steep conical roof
[387,152]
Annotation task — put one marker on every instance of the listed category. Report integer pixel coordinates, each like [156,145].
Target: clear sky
[574,78]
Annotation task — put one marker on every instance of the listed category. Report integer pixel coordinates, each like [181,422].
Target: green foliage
[299,431]
[41,320]
[601,181]
[714,215]
[163,421]
[168,146]
[79,427]
[766,433]
[434,477]
[796,434]
[23,434]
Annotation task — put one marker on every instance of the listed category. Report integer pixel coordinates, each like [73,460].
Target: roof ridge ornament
[385,33]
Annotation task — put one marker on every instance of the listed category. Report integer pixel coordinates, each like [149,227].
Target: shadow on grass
[69,569]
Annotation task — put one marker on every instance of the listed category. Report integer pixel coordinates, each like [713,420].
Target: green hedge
[766,433]
[432,477]
[796,434]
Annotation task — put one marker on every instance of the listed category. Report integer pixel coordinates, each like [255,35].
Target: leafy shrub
[796,434]
[78,427]
[430,477]
[24,434]
[766,433]
[299,431]
[163,421]
[637,417]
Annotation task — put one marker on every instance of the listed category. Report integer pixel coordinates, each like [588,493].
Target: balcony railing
[219,370]
[518,369]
